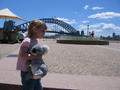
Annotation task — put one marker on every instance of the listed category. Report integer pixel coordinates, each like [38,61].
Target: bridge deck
[9,75]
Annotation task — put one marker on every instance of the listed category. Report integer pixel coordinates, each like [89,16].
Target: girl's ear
[34,29]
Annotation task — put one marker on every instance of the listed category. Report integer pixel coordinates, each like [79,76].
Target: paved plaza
[81,67]
[95,60]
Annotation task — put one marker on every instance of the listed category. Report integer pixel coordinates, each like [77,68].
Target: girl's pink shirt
[21,63]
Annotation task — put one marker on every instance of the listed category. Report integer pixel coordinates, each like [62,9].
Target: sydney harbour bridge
[58,26]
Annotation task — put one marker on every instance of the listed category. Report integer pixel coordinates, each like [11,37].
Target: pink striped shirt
[21,63]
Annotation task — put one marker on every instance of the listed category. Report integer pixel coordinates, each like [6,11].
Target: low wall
[19,87]
[83,42]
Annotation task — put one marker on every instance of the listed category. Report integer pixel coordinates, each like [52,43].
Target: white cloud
[73,21]
[82,27]
[86,7]
[97,8]
[51,27]
[100,26]
[97,30]
[86,21]
[91,28]
[106,26]
[105,15]
[54,27]
[111,26]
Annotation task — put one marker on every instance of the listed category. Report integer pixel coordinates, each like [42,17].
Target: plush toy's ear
[45,49]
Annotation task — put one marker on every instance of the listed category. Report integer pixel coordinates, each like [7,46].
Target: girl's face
[39,32]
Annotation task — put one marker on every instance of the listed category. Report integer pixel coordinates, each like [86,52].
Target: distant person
[20,36]
[36,30]
[92,34]
[18,28]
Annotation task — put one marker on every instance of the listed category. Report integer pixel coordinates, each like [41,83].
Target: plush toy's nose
[34,50]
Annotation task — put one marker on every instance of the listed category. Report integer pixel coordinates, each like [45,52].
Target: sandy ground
[100,60]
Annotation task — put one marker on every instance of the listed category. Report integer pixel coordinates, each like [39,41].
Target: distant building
[113,35]
[9,25]
[82,33]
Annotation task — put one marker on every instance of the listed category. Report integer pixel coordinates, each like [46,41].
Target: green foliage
[81,39]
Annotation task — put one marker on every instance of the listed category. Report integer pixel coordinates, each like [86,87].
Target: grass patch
[81,39]
[85,41]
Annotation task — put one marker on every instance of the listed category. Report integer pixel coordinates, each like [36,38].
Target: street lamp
[88,29]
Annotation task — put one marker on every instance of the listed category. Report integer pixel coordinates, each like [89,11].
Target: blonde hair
[37,24]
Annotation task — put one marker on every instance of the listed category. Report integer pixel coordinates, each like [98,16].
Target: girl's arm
[27,56]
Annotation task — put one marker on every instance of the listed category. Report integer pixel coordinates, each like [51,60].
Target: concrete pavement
[9,75]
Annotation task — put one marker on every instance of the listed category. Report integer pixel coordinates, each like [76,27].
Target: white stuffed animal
[38,67]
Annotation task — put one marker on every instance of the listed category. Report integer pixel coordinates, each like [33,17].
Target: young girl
[36,30]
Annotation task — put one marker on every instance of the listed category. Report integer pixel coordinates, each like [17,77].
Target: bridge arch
[65,25]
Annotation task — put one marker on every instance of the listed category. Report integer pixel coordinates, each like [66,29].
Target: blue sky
[102,15]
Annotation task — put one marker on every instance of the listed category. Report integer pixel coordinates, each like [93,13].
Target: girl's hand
[36,57]
[27,56]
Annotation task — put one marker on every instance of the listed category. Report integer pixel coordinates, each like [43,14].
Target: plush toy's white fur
[39,50]
[46,48]
[38,67]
